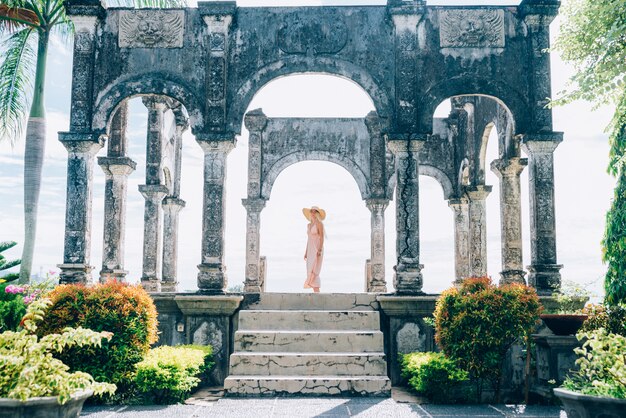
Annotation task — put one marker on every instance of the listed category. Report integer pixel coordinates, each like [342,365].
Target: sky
[583,190]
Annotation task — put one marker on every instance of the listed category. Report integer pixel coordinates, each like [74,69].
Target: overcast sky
[583,191]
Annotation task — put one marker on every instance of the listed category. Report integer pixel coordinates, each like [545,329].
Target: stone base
[308,386]
[119,275]
[75,273]
[512,276]
[211,279]
[169,286]
[408,281]
[555,358]
[151,285]
[546,278]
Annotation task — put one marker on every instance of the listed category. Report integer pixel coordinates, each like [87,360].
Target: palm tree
[25,30]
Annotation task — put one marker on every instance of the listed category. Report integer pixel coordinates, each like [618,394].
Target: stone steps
[313,302]
[308,352]
[308,385]
[264,320]
[311,364]
[300,341]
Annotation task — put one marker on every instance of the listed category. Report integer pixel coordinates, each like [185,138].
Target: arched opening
[283,228]
[310,96]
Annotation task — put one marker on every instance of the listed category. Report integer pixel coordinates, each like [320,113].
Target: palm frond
[16,83]
[14,18]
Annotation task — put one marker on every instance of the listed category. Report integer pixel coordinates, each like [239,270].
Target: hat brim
[307,213]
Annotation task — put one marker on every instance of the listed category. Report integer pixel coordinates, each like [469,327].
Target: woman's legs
[316,290]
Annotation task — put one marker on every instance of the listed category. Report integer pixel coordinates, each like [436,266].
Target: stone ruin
[199,68]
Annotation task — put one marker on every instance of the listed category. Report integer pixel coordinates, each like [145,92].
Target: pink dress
[313,261]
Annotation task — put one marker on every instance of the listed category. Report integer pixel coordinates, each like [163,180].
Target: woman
[314,252]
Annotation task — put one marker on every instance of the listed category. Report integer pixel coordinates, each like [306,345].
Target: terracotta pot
[587,406]
[564,324]
[47,407]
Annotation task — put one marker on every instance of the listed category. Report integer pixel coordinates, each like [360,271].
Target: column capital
[475,193]
[173,203]
[541,143]
[255,120]
[217,15]
[406,8]
[254,205]
[377,205]
[117,166]
[400,146]
[82,143]
[160,102]
[153,191]
[539,13]
[458,201]
[510,167]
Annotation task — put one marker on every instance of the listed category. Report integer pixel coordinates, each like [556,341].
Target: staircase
[308,352]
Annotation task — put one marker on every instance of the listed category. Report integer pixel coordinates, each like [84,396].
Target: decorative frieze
[471,28]
[151,28]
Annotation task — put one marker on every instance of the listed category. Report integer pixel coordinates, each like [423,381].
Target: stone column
[254,280]
[117,170]
[477,196]
[408,270]
[82,149]
[460,207]
[544,272]
[509,171]
[212,274]
[171,208]
[154,194]
[154,141]
[377,283]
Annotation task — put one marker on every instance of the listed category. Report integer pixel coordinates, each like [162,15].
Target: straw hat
[307,212]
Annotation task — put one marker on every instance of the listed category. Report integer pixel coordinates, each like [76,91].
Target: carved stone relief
[463,28]
[151,28]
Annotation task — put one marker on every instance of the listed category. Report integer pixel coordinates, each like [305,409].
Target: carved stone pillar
[460,208]
[377,283]
[154,194]
[154,141]
[408,270]
[116,170]
[509,171]
[171,209]
[477,196]
[212,274]
[544,272]
[82,149]
[254,281]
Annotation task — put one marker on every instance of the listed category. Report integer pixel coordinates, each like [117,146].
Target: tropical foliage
[27,368]
[126,311]
[601,365]
[168,374]
[612,318]
[593,39]
[5,264]
[478,323]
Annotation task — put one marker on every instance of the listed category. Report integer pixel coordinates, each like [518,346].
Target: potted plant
[598,387]
[32,382]
[566,317]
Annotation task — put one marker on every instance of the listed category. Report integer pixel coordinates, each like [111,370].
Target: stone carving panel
[465,28]
[312,37]
[151,28]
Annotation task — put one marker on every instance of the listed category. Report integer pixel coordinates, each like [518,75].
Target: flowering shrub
[601,365]
[15,298]
[27,368]
[434,376]
[126,311]
[478,323]
[612,318]
[168,374]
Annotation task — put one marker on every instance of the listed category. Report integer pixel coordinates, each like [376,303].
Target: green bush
[168,374]
[601,365]
[612,318]
[126,311]
[478,323]
[435,376]
[12,309]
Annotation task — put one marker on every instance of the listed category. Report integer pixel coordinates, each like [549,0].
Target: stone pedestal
[212,271]
[154,194]
[544,271]
[377,283]
[555,358]
[253,283]
[408,270]
[460,207]
[509,171]
[82,149]
[116,170]
[171,209]
[477,196]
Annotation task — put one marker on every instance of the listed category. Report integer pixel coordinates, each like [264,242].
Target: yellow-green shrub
[126,311]
[168,374]
[435,376]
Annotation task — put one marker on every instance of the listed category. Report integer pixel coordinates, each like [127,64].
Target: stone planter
[47,407]
[587,406]
[564,324]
